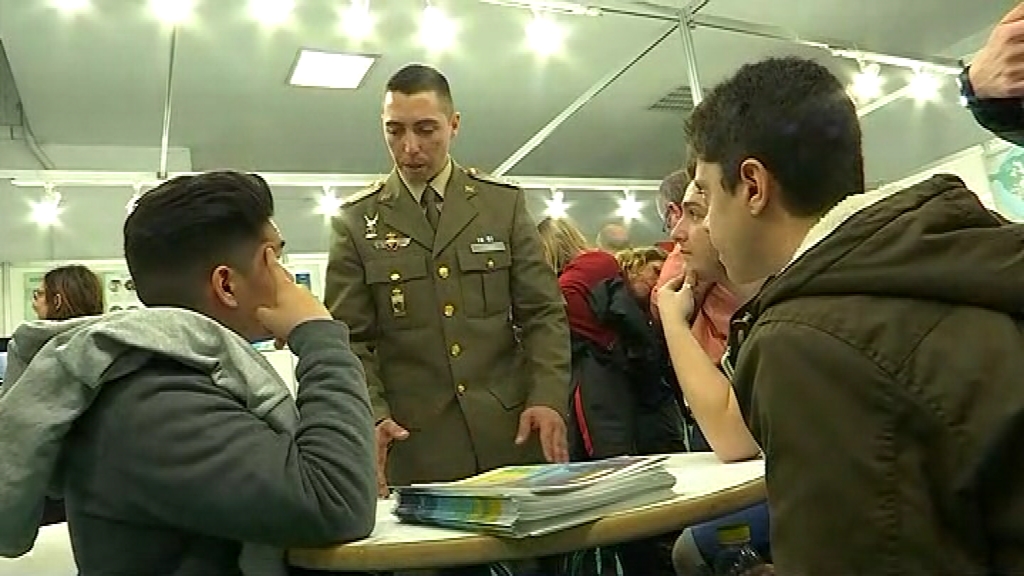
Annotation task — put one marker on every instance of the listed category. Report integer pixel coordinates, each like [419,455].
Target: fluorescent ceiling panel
[315,69]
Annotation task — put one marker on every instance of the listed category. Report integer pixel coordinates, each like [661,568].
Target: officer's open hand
[551,429]
[998,69]
[387,432]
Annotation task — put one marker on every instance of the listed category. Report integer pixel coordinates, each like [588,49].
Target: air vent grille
[680,99]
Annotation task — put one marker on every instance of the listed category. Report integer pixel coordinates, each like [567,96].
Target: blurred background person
[66,292]
[613,237]
[620,402]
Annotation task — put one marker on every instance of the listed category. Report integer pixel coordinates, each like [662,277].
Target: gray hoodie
[55,371]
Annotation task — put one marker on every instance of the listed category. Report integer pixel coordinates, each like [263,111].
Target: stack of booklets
[522,501]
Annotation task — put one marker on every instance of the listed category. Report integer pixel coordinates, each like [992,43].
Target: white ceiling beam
[165,133]
[543,134]
[100,179]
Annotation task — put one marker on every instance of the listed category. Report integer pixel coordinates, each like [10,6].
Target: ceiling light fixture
[71,6]
[897,61]
[336,70]
[629,208]
[551,6]
[173,11]
[867,84]
[271,13]
[437,30]
[357,21]
[556,205]
[924,86]
[544,35]
[328,204]
[46,211]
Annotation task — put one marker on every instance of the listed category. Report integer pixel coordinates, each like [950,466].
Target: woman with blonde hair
[642,267]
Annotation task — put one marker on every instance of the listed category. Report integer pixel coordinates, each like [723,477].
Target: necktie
[430,201]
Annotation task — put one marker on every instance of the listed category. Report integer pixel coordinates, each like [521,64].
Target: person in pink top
[701,306]
[714,294]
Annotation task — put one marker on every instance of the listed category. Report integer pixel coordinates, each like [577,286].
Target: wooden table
[705,488]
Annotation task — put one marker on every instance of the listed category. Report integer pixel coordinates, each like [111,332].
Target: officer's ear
[455,120]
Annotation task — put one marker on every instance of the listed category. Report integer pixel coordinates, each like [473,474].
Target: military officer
[429,269]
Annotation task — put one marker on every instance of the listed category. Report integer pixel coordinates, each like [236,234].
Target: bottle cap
[733,534]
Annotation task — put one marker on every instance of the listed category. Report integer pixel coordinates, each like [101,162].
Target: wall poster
[1006,175]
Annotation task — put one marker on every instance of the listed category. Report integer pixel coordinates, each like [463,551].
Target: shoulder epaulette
[481,177]
[363,194]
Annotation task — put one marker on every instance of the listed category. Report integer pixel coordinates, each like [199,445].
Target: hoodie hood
[932,241]
[56,369]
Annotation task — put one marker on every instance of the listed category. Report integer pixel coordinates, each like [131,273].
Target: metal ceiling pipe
[165,136]
[686,26]
[33,145]
[584,98]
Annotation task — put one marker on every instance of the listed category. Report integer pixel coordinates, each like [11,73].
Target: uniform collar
[438,183]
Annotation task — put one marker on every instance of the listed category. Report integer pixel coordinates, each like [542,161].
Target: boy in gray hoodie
[177,448]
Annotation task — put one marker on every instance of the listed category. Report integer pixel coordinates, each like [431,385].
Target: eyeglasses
[669,217]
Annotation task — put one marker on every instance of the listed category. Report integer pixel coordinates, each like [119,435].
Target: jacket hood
[56,369]
[932,241]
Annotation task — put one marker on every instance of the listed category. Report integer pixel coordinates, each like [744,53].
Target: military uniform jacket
[431,317]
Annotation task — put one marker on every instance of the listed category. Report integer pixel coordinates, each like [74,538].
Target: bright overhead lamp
[71,6]
[867,84]
[173,11]
[544,35]
[556,207]
[897,61]
[328,204]
[437,30]
[552,6]
[357,21]
[629,208]
[46,211]
[271,12]
[924,86]
[336,70]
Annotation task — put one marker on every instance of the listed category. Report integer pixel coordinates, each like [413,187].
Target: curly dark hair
[795,117]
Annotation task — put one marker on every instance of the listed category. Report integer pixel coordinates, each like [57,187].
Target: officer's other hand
[998,69]
[387,432]
[551,429]
[293,304]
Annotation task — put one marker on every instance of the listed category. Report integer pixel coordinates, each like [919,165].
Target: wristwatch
[966,88]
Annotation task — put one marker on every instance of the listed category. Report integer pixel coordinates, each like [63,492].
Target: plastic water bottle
[735,556]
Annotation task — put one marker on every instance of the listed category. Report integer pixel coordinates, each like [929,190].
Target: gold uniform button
[442,271]
[456,349]
[449,310]
[490,264]
[395,276]
[461,389]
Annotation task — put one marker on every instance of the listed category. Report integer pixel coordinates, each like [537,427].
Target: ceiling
[99,79]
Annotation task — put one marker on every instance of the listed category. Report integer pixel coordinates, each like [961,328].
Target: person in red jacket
[620,401]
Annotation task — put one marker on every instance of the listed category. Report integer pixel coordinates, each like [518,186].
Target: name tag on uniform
[486,247]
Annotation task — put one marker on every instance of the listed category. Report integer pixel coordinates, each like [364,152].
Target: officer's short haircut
[418,78]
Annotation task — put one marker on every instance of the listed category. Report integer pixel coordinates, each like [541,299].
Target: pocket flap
[485,262]
[390,270]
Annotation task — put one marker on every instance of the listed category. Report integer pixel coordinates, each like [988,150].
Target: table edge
[482,549]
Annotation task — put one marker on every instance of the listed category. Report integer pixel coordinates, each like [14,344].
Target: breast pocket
[402,291]
[485,282]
